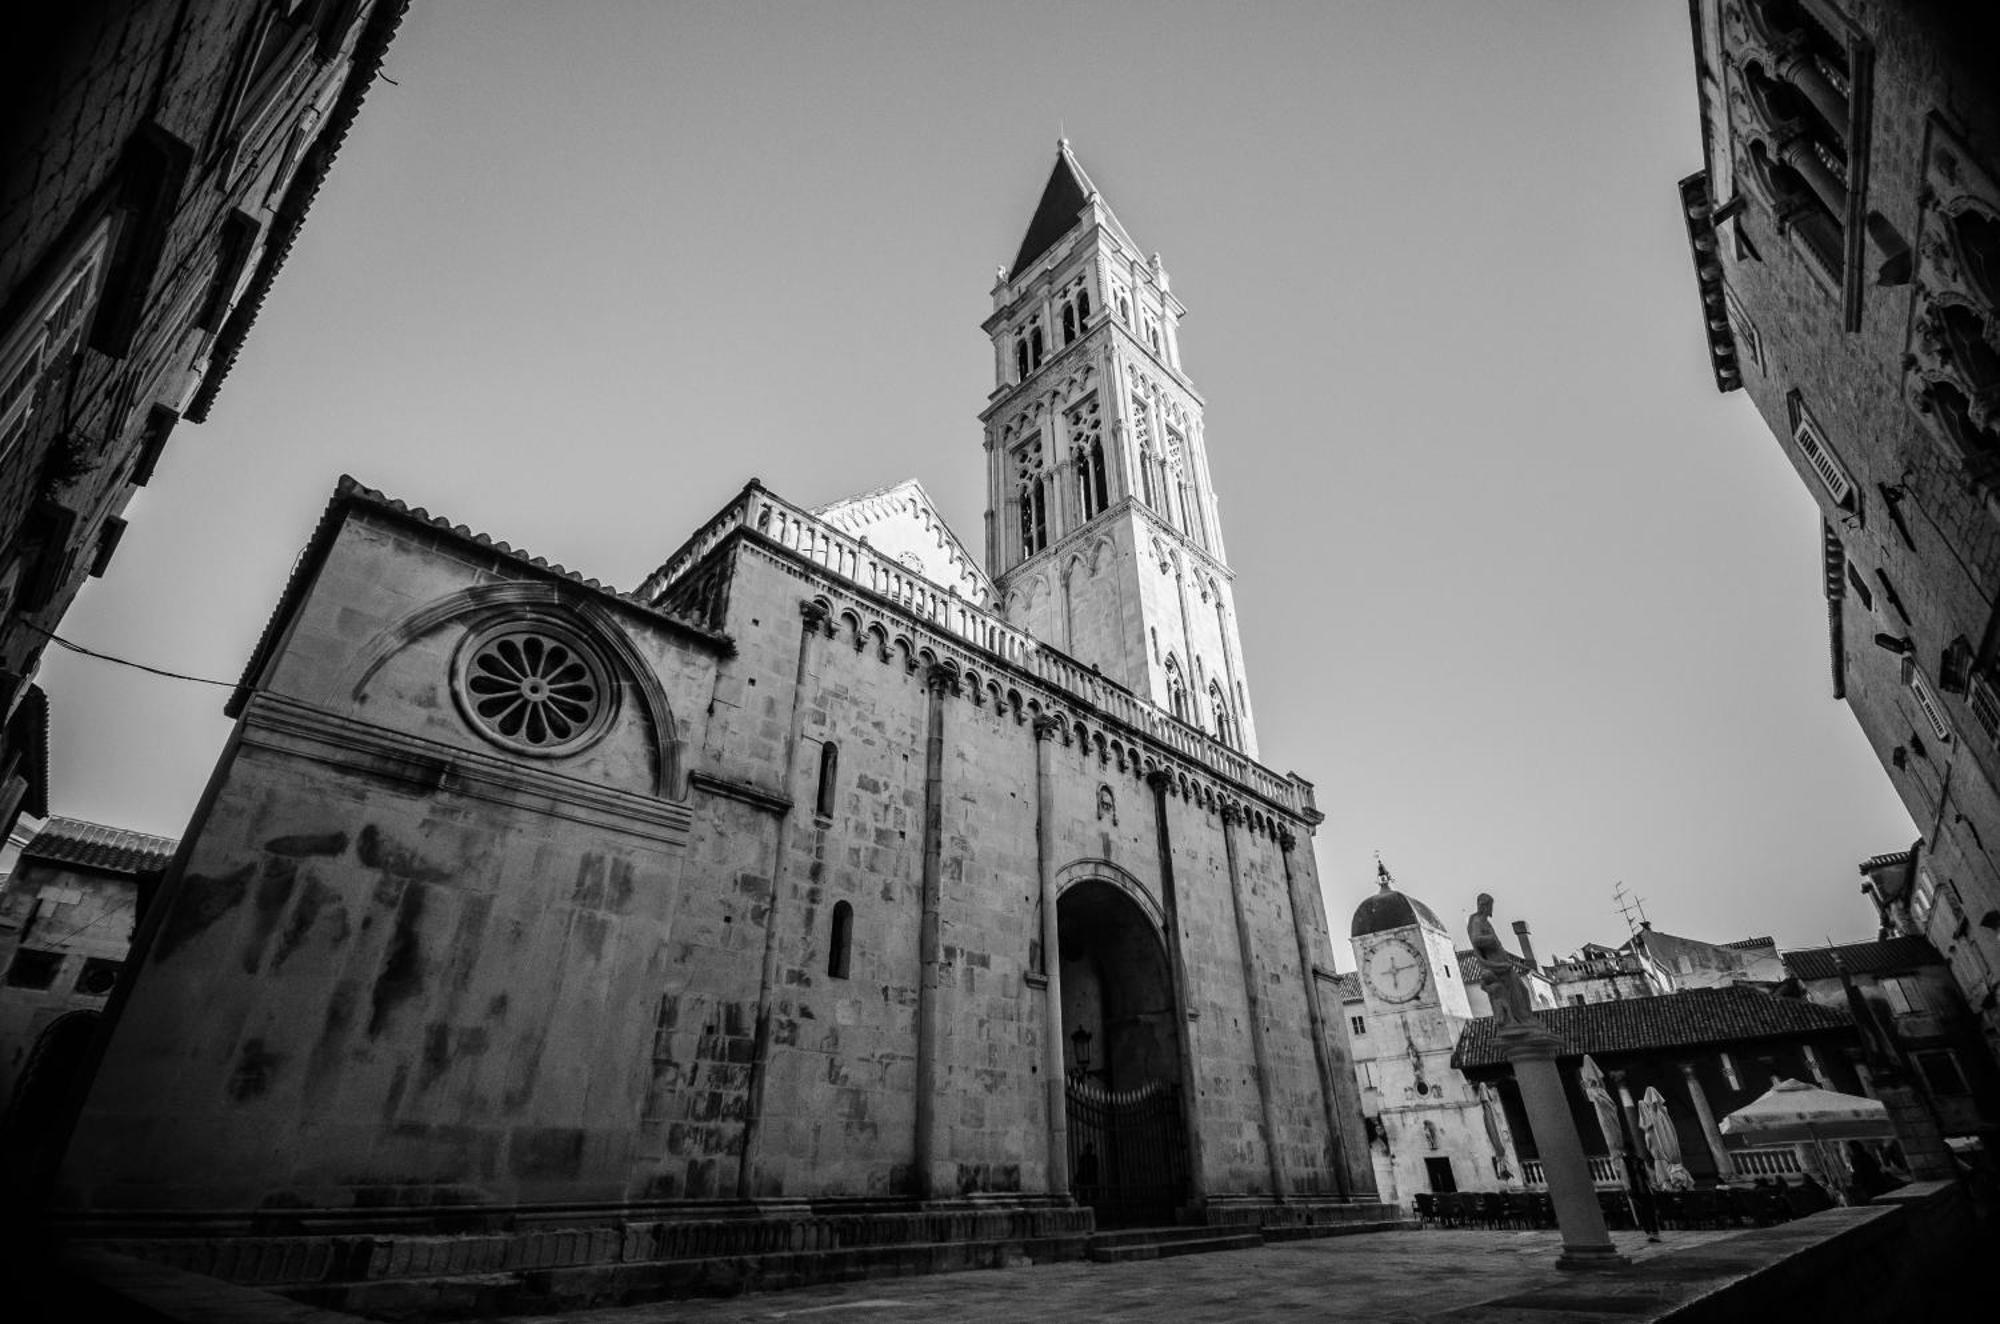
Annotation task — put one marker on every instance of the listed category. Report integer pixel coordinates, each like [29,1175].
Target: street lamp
[1079,1043]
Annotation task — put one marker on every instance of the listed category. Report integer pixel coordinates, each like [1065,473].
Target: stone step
[1173,1241]
[1345,1228]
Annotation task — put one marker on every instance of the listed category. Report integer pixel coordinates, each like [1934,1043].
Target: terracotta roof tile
[98,846]
[1672,1020]
[1863,958]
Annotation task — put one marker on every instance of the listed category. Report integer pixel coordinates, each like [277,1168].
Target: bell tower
[1102,532]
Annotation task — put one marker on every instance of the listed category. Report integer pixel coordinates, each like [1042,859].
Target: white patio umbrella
[1602,1103]
[1793,1112]
[1663,1144]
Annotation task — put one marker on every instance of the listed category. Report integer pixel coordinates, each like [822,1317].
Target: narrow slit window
[829,775]
[840,942]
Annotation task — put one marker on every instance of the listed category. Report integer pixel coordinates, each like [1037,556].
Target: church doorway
[1127,1132]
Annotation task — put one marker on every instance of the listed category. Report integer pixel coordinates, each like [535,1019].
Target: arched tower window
[1177,695]
[1035,346]
[840,941]
[829,777]
[1225,721]
[1020,359]
[1096,490]
[1083,308]
[1034,518]
[1069,323]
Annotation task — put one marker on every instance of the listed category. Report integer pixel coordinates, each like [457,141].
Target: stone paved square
[1391,1276]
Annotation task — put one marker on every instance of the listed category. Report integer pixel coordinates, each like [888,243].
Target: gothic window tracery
[1952,363]
[1225,721]
[1034,517]
[1085,422]
[1796,125]
[1177,693]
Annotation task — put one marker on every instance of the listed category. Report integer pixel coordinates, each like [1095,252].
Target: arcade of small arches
[1128,753]
[1792,101]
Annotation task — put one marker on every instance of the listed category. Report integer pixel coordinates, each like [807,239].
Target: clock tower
[1428,1127]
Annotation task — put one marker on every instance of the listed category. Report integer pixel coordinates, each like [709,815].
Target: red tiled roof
[97,846]
[1672,1020]
[1863,958]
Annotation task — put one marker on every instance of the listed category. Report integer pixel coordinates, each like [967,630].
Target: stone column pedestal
[1531,1051]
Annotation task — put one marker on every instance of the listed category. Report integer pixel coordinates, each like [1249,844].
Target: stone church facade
[830,866]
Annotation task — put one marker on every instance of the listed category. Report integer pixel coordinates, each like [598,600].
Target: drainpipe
[816,619]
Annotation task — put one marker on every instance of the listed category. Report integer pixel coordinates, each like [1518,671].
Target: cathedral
[837,868]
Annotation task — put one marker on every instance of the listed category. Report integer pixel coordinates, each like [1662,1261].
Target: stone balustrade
[798,531]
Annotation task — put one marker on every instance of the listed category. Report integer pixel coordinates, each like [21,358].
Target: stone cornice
[743,792]
[288,727]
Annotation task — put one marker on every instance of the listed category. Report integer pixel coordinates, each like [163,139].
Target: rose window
[533,688]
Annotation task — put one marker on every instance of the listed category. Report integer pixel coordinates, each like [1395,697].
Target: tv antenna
[1629,904]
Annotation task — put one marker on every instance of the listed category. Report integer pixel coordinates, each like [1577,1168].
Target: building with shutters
[156,162]
[1845,231]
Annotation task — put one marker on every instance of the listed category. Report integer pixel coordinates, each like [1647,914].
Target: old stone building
[831,871]
[156,162]
[1846,238]
[67,913]
[1429,1128]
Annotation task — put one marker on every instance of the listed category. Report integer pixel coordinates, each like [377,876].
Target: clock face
[1396,971]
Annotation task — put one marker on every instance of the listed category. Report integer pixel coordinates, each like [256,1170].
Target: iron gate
[1127,1152]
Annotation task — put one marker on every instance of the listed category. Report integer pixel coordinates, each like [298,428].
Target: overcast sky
[1535,607]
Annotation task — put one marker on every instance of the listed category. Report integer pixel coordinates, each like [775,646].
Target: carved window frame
[544,701]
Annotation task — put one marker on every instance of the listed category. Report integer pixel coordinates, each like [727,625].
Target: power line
[127,662]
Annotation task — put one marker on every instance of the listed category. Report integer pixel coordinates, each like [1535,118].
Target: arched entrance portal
[1127,1137]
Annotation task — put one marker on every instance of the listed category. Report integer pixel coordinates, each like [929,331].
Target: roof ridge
[350,490]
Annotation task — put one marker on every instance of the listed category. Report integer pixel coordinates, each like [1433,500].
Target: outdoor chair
[1492,1209]
[1730,1210]
[1516,1210]
[1451,1209]
[1427,1209]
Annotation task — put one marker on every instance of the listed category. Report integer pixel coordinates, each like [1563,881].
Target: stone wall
[409,964]
[1915,549]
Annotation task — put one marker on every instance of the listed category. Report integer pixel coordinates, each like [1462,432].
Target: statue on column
[1500,977]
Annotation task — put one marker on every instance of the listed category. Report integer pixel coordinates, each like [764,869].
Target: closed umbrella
[1599,1094]
[1663,1144]
[1489,1111]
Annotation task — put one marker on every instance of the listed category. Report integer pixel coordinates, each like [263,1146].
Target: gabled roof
[853,515]
[348,494]
[1672,1020]
[1863,958]
[98,846]
[1063,197]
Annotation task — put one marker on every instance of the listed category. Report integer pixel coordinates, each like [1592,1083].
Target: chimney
[1527,946]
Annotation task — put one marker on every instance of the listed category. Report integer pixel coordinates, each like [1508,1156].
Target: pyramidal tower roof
[1069,189]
